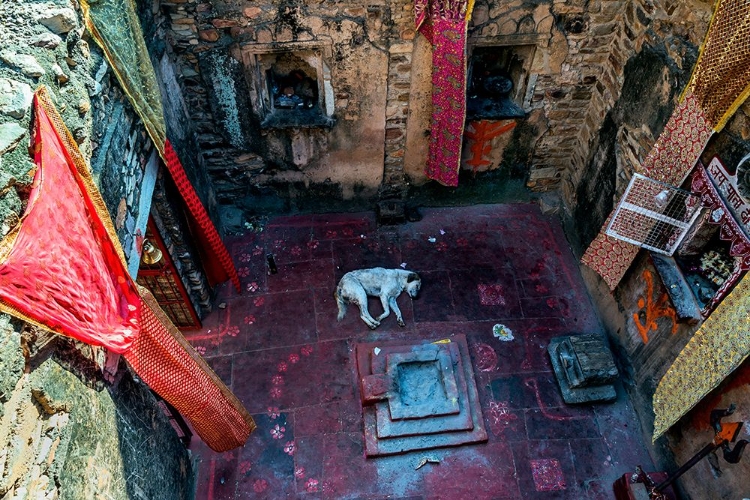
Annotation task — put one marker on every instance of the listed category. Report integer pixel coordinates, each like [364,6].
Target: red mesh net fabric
[168,364]
[61,269]
[207,233]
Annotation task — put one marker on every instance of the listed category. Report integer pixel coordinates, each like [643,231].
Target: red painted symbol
[652,310]
[531,383]
[486,357]
[491,295]
[500,417]
[480,135]
[548,475]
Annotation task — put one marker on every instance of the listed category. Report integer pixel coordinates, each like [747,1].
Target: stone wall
[67,433]
[70,426]
[259,168]
[168,209]
[378,74]
[657,46]
[644,353]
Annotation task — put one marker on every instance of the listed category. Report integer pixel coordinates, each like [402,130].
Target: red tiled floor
[278,346]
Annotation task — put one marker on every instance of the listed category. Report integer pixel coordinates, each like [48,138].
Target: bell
[151,254]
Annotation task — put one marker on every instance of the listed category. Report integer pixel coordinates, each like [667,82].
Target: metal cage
[654,215]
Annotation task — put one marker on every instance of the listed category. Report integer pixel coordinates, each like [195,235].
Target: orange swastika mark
[481,140]
[653,309]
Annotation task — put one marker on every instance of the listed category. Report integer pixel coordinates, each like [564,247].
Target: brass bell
[151,254]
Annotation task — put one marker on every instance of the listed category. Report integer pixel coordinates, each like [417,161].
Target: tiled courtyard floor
[280,349]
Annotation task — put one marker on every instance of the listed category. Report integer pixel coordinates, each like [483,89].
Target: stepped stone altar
[418,395]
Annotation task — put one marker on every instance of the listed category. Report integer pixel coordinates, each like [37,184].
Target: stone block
[225,23]
[401,48]
[424,381]
[60,75]
[15,98]
[408,34]
[264,36]
[542,173]
[394,132]
[27,64]
[355,11]
[480,15]
[210,35]
[437,381]
[10,135]
[584,368]
[45,40]
[252,12]
[285,35]
[391,211]
[59,21]
[11,359]
[678,289]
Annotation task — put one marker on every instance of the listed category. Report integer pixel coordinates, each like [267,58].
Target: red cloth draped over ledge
[62,269]
[170,366]
[59,266]
[445,28]
[222,268]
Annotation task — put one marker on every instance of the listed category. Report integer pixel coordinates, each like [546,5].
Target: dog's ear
[412,277]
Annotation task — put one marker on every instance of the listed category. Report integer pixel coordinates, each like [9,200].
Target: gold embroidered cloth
[720,345]
[62,269]
[113,24]
[721,77]
[115,27]
[670,160]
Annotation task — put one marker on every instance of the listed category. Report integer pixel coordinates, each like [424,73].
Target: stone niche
[497,81]
[290,84]
[499,89]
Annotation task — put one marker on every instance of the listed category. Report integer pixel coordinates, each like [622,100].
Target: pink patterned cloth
[671,160]
[446,31]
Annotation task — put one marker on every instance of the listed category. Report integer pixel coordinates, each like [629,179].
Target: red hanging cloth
[222,268]
[444,24]
[165,361]
[59,268]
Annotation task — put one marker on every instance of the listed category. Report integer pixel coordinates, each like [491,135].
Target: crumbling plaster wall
[66,430]
[494,24]
[644,355]
[380,74]
[168,210]
[258,169]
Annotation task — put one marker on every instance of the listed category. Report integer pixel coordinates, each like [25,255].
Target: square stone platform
[418,395]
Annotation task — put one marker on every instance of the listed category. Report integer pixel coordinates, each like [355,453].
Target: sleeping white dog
[387,284]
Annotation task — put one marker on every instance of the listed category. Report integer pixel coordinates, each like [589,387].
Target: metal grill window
[163,281]
[654,215]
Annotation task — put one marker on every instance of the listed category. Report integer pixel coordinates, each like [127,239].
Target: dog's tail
[340,302]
